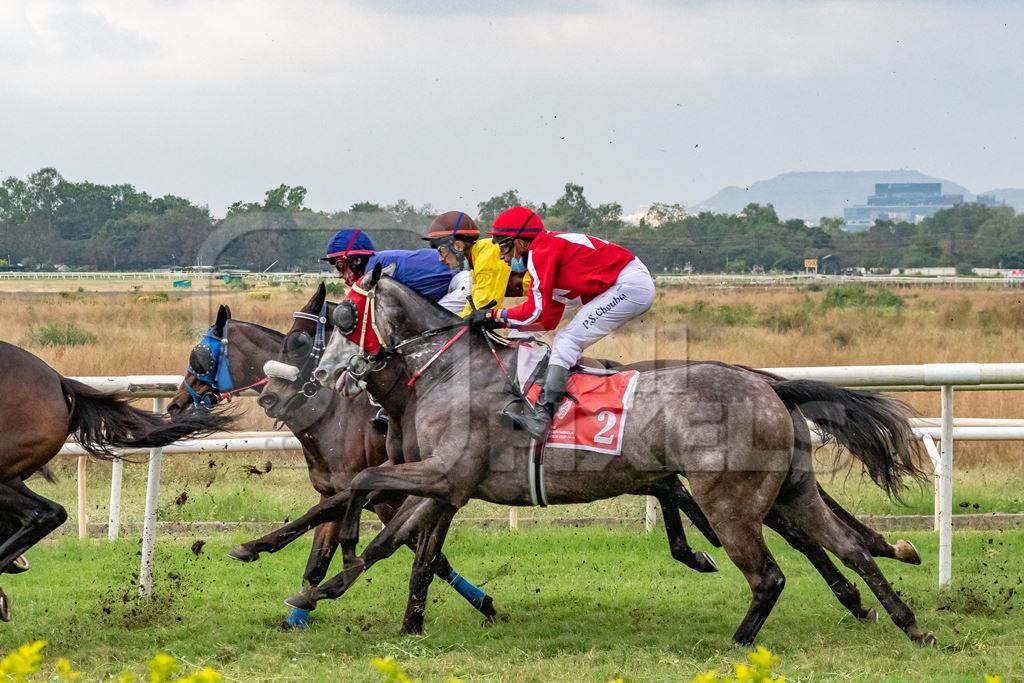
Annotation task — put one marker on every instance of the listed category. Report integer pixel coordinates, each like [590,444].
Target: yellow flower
[65,672]
[127,677]
[706,677]
[762,659]
[744,674]
[992,679]
[389,667]
[23,662]
[161,668]
[204,675]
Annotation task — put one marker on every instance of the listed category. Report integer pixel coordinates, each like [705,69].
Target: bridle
[309,385]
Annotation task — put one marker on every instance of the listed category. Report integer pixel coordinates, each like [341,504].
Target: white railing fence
[942,377]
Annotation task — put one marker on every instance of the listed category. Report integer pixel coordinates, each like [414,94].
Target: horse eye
[200,360]
[298,345]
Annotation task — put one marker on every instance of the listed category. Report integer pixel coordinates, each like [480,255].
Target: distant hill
[813,194]
[1011,196]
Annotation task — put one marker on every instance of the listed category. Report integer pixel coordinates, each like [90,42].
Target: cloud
[47,31]
[477,7]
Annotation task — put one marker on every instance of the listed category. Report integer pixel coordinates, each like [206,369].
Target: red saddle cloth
[596,420]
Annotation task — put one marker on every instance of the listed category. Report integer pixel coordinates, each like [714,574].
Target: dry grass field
[127,332]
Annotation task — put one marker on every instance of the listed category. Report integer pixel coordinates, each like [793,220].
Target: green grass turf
[577,604]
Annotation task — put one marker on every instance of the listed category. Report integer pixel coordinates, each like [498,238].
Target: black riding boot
[537,420]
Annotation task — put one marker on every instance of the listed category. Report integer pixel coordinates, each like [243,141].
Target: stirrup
[524,417]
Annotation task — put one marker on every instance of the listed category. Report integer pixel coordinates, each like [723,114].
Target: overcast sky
[451,102]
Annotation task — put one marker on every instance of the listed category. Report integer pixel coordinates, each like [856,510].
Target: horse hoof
[486,608]
[19,565]
[5,607]
[924,638]
[301,601]
[297,619]
[871,616]
[412,629]
[702,562]
[242,555]
[906,552]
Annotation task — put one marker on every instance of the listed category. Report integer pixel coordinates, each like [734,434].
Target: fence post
[946,491]
[149,525]
[650,514]
[114,513]
[513,518]
[83,504]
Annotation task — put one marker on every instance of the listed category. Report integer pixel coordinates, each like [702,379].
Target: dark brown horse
[39,409]
[337,437]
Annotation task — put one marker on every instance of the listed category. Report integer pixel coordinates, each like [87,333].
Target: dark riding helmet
[448,227]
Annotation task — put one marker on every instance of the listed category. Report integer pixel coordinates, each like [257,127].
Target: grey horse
[722,427]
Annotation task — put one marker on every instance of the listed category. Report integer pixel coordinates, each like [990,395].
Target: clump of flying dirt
[179,573]
[989,586]
[256,471]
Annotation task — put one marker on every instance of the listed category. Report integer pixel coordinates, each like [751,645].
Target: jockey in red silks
[610,285]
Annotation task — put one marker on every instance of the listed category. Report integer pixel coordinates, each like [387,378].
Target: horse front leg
[325,543]
[428,550]
[324,511]
[415,515]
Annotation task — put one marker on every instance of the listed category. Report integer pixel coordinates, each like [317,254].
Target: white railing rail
[942,377]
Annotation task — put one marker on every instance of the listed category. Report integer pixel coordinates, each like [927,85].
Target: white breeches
[630,296]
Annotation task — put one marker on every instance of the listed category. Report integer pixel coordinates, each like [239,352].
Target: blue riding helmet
[349,242]
[204,363]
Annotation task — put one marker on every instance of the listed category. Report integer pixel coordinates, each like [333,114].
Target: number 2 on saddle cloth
[596,419]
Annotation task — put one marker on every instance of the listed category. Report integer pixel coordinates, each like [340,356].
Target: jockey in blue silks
[352,254]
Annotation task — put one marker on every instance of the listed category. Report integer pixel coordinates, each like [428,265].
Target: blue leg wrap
[297,618]
[474,595]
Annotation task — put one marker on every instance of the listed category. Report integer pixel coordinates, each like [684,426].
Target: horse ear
[316,302]
[375,275]
[223,315]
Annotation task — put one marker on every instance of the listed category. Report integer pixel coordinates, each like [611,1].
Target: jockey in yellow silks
[482,275]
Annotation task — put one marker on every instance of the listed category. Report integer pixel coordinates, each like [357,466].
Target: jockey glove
[483,319]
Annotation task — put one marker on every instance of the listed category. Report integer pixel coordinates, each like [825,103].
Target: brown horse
[39,409]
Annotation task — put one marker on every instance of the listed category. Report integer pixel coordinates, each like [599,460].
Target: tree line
[46,220]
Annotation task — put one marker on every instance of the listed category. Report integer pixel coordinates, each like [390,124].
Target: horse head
[290,382]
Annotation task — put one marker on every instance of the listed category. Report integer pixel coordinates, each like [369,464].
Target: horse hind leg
[902,550]
[820,524]
[843,588]
[36,517]
[744,543]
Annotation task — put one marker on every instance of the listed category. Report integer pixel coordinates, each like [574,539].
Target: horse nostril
[267,401]
[320,374]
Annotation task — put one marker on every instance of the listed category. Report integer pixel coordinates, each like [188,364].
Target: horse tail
[874,428]
[101,422]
